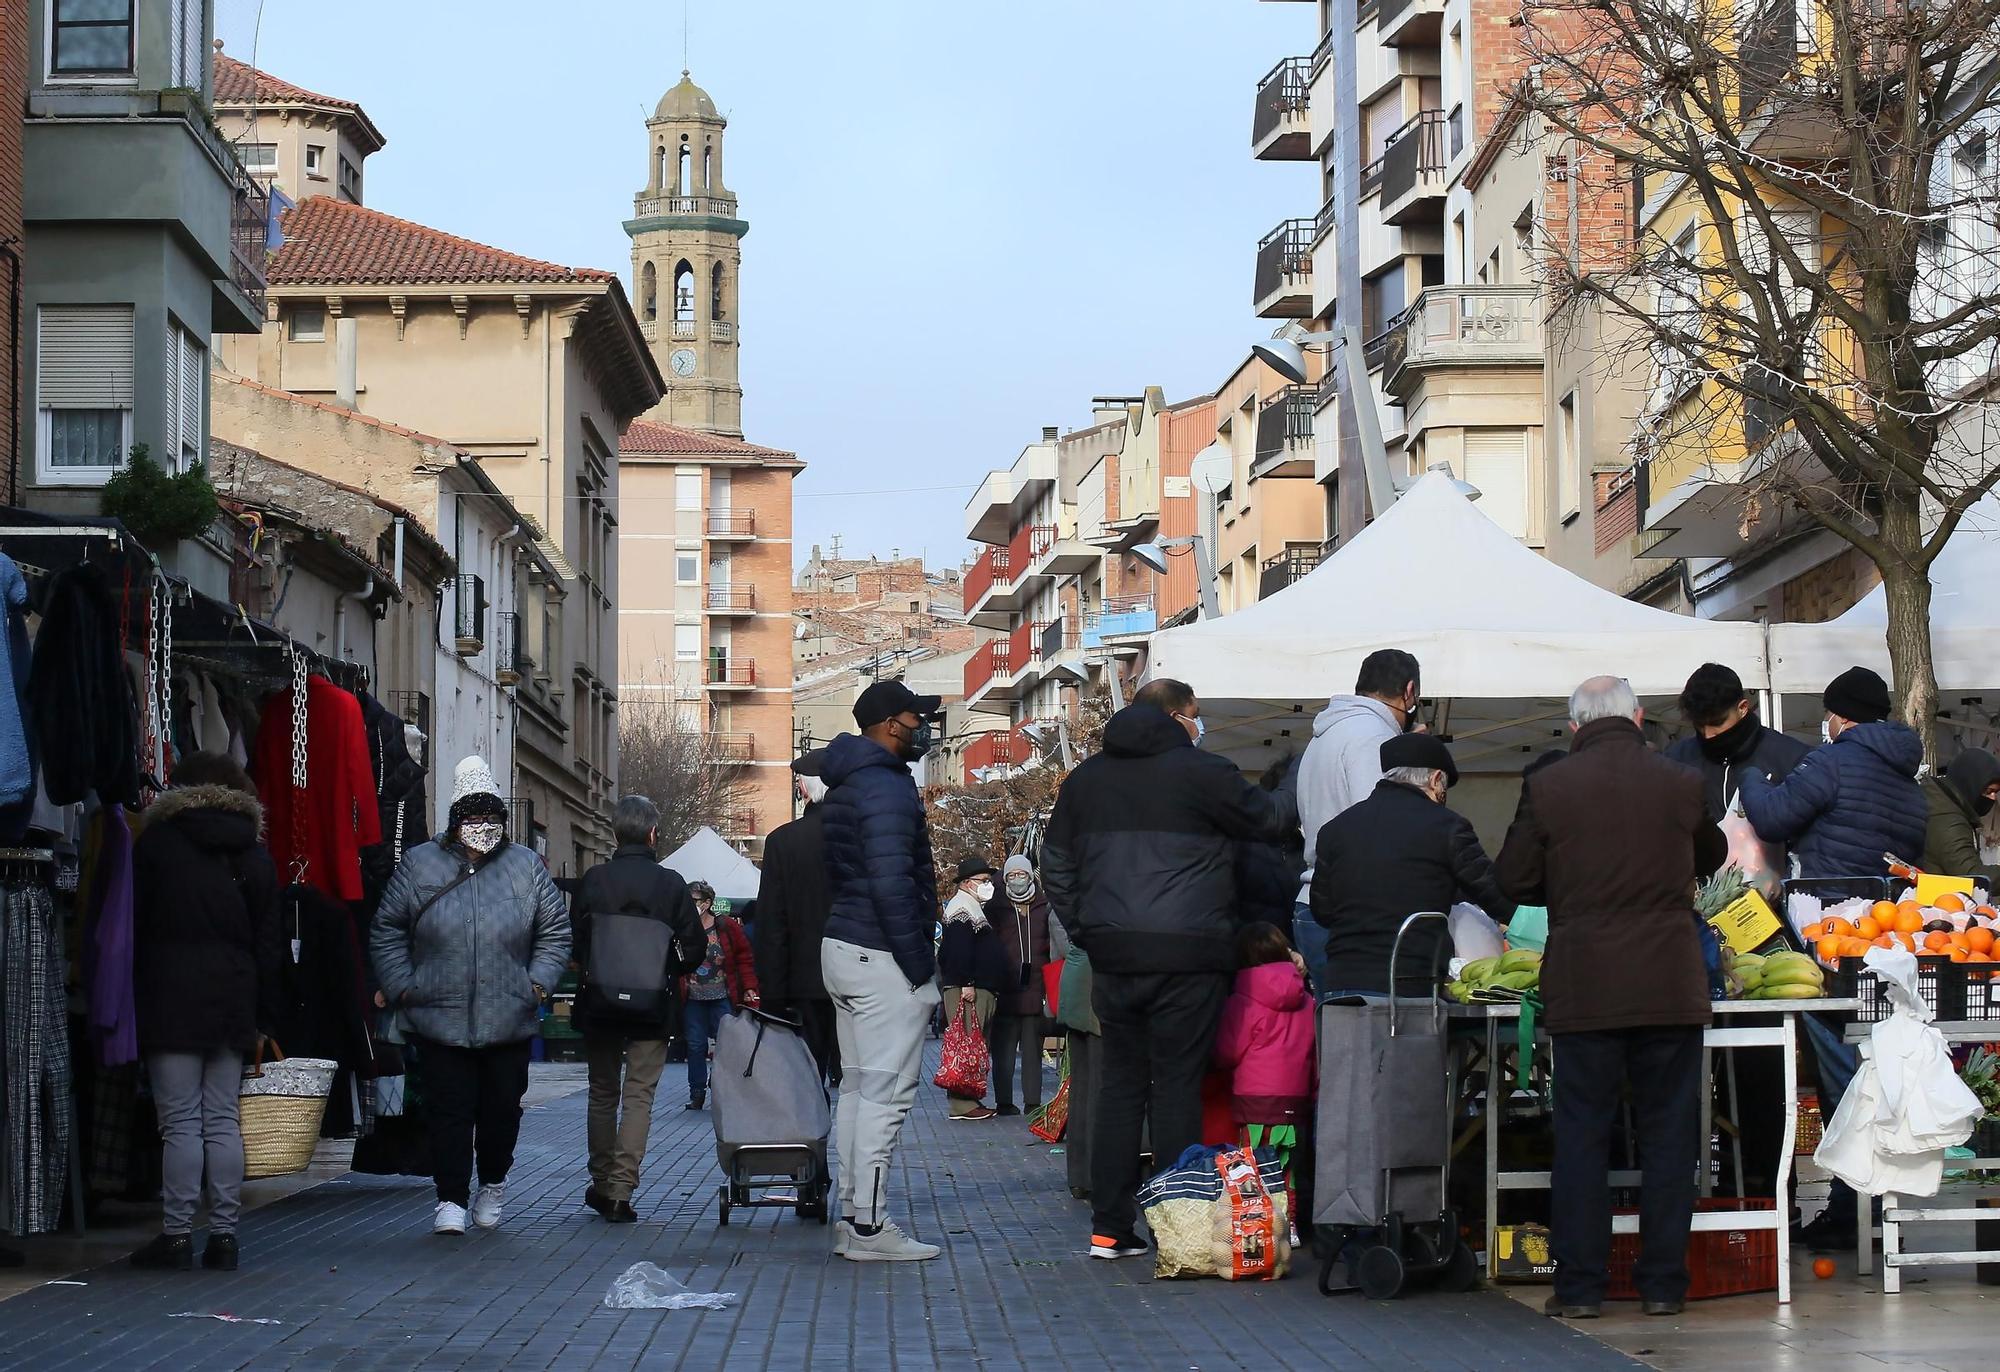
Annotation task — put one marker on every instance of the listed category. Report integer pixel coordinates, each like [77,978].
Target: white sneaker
[887,1244]
[843,1233]
[450,1219]
[486,1205]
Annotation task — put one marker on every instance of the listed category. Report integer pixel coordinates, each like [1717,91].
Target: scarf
[965,909]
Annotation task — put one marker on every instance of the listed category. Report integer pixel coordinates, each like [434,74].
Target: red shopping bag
[1052,985]
[963,1063]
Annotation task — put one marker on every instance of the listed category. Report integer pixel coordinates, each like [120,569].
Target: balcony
[1326,220]
[1281,126]
[1007,498]
[514,663]
[1292,565]
[682,329]
[468,621]
[989,679]
[1326,392]
[1120,624]
[1002,580]
[1465,327]
[1284,271]
[738,825]
[1409,23]
[1062,649]
[1413,166]
[732,600]
[728,750]
[1284,434]
[727,673]
[1385,349]
[734,524]
[988,570]
[999,749]
[249,236]
[722,330]
[1024,654]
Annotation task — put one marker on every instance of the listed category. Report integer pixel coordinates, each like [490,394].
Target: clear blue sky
[965,220]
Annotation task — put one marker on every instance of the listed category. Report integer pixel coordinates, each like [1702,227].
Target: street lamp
[1154,555]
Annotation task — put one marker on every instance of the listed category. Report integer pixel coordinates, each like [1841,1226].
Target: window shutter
[193,363]
[1496,461]
[189,32]
[85,357]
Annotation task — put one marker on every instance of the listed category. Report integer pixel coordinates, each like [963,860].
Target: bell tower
[686,253]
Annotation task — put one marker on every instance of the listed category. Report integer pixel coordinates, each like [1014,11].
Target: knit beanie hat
[1858,694]
[474,791]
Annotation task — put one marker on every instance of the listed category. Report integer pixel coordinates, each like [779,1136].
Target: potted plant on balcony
[157,508]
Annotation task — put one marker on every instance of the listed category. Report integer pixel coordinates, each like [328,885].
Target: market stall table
[1729,1032]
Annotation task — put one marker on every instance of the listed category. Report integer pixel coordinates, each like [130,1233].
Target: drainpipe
[399,553]
[340,618]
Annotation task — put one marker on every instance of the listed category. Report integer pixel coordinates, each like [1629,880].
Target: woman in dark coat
[1021,913]
[207,960]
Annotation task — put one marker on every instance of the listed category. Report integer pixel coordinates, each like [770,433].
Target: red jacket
[1266,1044]
[739,964]
[337,815]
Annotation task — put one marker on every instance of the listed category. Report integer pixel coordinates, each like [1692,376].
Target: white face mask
[1826,731]
[481,836]
[982,891]
[813,789]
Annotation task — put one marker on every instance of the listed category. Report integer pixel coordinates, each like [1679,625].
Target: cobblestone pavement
[352,1278]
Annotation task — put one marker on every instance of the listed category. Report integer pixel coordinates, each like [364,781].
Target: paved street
[353,1278]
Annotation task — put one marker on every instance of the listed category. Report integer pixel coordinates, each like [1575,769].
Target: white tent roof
[1502,633]
[1965,621]
[708,857]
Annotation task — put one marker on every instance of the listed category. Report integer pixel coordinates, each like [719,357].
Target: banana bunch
[1508,977]
[1784,975]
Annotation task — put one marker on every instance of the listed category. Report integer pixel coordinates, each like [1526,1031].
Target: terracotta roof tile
[330,243]
[644,438]
[239,83]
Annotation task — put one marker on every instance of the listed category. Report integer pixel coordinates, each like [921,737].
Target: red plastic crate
[1721,1262]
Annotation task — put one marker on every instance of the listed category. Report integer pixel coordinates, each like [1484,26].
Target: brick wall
[1830,589]
[13,98]
[1616,516]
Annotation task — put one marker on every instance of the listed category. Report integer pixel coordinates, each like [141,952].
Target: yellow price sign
[1746,923]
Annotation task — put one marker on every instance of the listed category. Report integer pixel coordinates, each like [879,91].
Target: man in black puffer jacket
[876,958]
[1139,863]
[792,905]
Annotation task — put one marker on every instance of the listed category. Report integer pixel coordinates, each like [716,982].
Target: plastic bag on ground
[646,1286]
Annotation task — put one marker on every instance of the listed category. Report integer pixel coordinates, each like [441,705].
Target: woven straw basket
[281,1105]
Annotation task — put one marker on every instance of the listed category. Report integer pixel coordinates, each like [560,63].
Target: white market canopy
[708,857]
[1503,636]
[1965,621]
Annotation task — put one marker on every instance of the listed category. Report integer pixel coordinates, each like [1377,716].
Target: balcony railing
[1285,422]
[1060,636]
[739,673]
[1028,547]
[648,206]
[1327,219]
[731,750]
[1119,616]
[1414,154]
[988,660]
[684,328]
[1283,258]
[468,620]
[1469,324]
[1328,389]
[734,522]
[249,236]
[722,330]
[1769,47]
[739,823]
[1024,644]
[1389,11]
[1371,178]
[732,600]
[1293,564]
[988,570]
[513,664]
[1377,351]
[1000,748]
[1282,93]
[1323,54]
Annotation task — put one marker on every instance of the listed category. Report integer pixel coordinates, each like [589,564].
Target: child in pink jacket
[1265,1042]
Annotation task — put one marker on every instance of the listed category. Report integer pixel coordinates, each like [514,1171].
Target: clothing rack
[16,863]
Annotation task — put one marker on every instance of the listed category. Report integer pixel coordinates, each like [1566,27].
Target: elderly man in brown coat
[1613,839]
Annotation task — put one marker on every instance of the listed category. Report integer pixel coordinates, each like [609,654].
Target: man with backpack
[636,934]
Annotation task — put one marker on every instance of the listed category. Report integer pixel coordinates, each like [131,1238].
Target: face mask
[813,788]
[919,743]
[982,891]
[1729,744]
[480,836]
[1983,806]
[1200,727]
[1826,731]
[1021,886]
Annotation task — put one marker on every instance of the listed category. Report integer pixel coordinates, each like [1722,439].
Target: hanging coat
[17,758]
[399,795]
[323,1014]
[337,815]
[80,702]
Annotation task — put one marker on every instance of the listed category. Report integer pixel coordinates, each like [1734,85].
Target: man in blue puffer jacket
[877,958]
[1841,809]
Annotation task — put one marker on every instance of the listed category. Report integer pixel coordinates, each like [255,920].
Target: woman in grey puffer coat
[471,934]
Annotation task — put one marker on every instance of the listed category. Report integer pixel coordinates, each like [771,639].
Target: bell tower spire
[686,254]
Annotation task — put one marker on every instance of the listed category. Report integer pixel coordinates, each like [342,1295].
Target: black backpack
[633,968]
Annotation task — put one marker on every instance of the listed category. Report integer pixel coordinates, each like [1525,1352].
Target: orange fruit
[1951,902]
[1823,1268]
[1960,955]
[1815,931]
[1869,927]
[1839,926]
[1987,911]
[1977,957]
[1885,940]
[1909,907]
[1854,946]
[1937,943]
[1883,911]
[1829,947]
[1908,920]
[1979,939]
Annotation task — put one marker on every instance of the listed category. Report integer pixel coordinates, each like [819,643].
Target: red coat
[337,814]
[739,964]
[1266,1043]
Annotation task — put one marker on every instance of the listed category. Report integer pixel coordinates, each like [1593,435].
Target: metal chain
[298,721]
[167,680]
[158,733]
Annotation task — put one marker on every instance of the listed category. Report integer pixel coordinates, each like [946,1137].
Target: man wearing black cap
[1841,809]
[1398,851]
[792,902]
[877,959]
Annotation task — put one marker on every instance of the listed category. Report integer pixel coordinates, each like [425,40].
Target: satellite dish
[1212,469]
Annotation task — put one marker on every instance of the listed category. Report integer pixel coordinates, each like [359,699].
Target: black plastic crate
[1954,991]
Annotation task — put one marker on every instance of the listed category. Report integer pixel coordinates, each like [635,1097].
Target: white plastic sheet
[647,1286]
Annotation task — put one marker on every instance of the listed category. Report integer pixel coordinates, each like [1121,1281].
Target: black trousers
[472,1101]
[1159,1033]
[1083,1051]
[1663,1068]
[816,1023]
[1016,1036]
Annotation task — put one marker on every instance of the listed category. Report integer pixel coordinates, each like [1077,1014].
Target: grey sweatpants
[195,1095]
[880,1020]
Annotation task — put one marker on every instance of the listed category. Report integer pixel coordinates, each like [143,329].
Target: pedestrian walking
[1960,800]
[636,935]
[877,958]
[1139,863]
[972,964]
[206,978]
[794,899]
[1613,839]
[722,982]
[471,933]
[1265,1045]
[1019,1023]
[1340,767]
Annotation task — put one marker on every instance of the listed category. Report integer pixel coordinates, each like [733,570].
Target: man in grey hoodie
[1341,766]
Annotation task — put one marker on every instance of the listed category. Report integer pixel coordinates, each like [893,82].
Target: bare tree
[695,775]
[1808,248]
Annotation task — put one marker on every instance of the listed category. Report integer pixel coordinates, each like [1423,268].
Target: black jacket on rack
[399,791]
[82,712]
[323,1013]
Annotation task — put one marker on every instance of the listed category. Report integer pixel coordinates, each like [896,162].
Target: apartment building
[296,142]
[1267,523]
[533,369]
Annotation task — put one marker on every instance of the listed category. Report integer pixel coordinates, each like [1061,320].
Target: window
[1789,296]
[83,391]
[687,642]
[684,294]
[715,293]
[259,159]
[687,568]
[187,368]
[308,324]
[1496,461]
[1569,460]
[190,44]
[1677,308]
[649,292]
[1524,245]
[90,38]
[316,161]
[687,490]
[350,179]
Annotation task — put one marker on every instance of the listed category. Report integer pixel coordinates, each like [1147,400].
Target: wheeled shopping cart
[772,1118]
